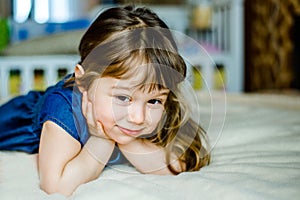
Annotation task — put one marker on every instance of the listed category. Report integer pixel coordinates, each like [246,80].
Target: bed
[257,156]
[256,137]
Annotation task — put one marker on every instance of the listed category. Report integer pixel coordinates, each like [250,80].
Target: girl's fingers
[84,103]
[101,130]
[87,109]
[90,114]
[95,127]
[99,126]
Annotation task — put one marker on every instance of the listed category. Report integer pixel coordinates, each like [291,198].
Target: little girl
[121,104]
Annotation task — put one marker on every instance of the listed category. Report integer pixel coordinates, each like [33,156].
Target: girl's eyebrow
[121,87]
[164,92]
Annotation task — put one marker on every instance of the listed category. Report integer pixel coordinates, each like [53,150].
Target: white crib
[50,65]
[227,34]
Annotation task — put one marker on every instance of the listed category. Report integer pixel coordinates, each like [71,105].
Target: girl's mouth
[130,132]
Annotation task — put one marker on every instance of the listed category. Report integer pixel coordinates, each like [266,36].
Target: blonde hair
[123,40]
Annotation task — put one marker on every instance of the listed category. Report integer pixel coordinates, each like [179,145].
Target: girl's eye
[155,101]
[121,99]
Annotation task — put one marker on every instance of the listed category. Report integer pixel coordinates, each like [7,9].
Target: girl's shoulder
[62,105]
[61,89]
[58,99]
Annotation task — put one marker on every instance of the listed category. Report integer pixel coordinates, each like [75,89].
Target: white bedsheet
[256,157]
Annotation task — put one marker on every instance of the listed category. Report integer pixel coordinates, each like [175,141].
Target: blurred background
[271,29]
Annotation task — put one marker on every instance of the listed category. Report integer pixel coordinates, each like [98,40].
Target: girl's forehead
[139,74]
[130,85]
[138,83]
[139,71]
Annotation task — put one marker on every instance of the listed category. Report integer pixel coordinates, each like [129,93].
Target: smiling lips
[130,132]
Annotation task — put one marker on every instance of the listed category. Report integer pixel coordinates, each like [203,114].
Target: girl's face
[126,111]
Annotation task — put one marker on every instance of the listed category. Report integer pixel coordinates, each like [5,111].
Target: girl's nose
[136,113]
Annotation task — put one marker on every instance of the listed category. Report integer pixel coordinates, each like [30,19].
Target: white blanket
[256,157]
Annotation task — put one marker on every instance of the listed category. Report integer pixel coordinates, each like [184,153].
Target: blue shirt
[62,105]
[22,118]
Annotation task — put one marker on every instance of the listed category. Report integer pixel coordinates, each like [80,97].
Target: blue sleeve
[58,109]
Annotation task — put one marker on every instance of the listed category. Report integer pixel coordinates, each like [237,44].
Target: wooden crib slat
[226,27]
[27,65]
[27,75]
[4,81]
[236,71]
[51,76]
[218,13]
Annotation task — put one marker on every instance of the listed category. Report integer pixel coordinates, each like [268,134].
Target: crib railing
[26,66]
[226,36]
[229,36]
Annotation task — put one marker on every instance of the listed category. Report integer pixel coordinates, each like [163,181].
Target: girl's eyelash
[154,101]
[123,98]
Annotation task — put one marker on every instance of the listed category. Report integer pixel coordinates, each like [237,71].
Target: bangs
[145,54]
[147,72]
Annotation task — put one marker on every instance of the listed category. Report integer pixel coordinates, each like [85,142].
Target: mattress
[256,155]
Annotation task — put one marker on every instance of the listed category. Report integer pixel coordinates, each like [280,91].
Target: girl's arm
[149,158]
[64,165]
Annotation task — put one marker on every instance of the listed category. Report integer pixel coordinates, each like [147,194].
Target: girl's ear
[79,72]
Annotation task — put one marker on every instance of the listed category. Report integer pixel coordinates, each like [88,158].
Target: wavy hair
[120,43]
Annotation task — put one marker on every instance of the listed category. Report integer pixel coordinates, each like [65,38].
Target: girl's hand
[94,126]
[99,145]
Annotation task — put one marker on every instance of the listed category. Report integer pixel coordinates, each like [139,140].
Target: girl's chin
[123,140]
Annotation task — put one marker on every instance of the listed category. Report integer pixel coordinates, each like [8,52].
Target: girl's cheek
[118,112]
[155,115]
